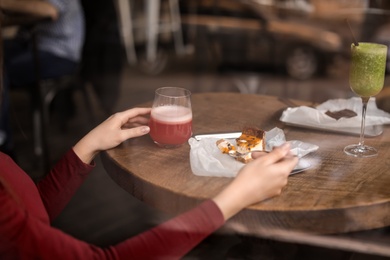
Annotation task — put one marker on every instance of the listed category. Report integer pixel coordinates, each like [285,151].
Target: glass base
[357,150]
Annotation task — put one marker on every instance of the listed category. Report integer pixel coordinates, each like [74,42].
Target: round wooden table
[338,194]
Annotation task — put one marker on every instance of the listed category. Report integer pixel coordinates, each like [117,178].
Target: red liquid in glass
[171,125]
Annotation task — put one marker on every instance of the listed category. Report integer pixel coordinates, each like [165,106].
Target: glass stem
[362,128]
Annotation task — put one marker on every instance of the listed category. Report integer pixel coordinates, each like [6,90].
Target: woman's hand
[260,179]
[112,132]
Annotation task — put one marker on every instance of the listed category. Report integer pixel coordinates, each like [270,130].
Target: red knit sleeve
[176,237]
[25,232]
[25,236]
[58,187]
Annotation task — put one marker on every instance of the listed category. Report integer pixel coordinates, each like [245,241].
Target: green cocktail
[367,68]
[366,78]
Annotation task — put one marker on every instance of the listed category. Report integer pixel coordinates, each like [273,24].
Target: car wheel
[301,63]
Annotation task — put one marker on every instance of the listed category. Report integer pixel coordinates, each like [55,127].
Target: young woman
[26,209]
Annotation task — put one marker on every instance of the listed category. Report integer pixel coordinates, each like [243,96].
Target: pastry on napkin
[207,160]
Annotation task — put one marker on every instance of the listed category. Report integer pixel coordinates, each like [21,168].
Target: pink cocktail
[171,117]
[171,125]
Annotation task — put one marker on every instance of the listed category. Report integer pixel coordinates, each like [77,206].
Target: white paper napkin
[207,160]
[316,117]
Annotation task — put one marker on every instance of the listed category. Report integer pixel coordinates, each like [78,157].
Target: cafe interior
[294,51]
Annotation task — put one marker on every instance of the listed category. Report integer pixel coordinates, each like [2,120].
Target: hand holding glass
[171,117]
[366,79]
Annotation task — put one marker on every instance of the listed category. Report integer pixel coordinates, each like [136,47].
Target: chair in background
[42,94]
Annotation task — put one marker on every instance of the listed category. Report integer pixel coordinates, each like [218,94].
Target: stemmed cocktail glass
[366,79]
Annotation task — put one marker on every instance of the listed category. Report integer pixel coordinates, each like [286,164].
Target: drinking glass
[366,78]
[171,117]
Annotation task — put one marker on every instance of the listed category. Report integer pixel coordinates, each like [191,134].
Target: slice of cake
[251,139]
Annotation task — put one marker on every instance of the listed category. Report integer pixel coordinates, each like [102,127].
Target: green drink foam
[368,64]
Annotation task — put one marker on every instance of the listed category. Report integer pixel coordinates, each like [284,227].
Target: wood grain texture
[338,194]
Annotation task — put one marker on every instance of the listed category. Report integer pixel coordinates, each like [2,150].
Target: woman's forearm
[84,151]
[228,201]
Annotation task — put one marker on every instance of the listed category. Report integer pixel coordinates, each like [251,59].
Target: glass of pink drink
[171,117]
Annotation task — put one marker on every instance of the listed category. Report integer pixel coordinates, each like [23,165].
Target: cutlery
[218,135]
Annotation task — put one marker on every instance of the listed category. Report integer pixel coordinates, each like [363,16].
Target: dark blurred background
[296,49]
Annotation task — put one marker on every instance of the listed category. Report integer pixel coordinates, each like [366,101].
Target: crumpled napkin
[207,160]
[316,117]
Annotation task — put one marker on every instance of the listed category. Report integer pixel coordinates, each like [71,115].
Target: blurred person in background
[60,35]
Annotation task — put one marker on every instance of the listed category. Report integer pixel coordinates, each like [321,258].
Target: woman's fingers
[138,121]
[134,132]
[129,114]
[258,154]
[275,155]
[288,163]
[113,131]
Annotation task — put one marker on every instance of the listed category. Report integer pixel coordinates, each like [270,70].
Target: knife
[217,135]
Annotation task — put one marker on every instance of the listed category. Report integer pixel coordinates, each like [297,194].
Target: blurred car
[241,34]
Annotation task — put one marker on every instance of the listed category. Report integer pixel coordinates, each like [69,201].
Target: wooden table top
[338,194]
